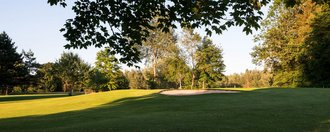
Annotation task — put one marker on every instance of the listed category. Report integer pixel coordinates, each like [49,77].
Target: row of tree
[295,44]
[71,73]
[19,72]
[174,62]
[248,79]
[188,62]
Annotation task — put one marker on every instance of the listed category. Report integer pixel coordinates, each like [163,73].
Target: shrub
[17,90]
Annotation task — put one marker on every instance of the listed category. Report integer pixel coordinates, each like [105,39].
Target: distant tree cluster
[248,79]
[70,73]
[170,62]
[20,73]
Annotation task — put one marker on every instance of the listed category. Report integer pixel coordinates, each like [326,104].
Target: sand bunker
[193,92]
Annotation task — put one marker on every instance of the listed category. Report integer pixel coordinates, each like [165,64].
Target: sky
[34,25]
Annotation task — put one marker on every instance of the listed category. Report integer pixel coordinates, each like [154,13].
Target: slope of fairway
[67,103]
[292,110]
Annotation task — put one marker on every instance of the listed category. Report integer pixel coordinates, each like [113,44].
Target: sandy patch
[193,92]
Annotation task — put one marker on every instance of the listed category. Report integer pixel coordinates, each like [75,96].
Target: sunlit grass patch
[46,106]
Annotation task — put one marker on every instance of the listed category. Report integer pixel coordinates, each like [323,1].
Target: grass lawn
[292,110]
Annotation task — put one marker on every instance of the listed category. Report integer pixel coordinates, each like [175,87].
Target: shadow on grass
[259,110]
[29,97]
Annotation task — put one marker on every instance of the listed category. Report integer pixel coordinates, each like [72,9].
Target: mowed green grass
[292,110]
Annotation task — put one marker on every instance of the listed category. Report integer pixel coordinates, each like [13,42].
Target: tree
[122,81]
[156,46]
[83,69]
[210,65]
[30,62]
[136,79]
[109,66]
[49,79]
[96,80]
[282,41]
[317,56]
[72,70]
[32,66]
[234,80]
[175,69]
[122,24]
[190,42]
[12,69]
[249,79]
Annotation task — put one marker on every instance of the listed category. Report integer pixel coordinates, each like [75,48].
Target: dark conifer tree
[12,68]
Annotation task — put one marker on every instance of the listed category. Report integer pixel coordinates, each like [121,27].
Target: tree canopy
[210,65]
[109,66]
[12,68]
[120,24]
[71,70]
[317,56]
[49,79]
[294,44]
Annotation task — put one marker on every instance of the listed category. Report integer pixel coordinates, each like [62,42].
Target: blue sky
[35,25]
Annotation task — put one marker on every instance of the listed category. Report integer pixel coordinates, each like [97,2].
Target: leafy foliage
[108,65]
[210,65]
[317,56]
[282,42]
[97,80]
[49,78]
[136,79]
[249,79]
[156,47]
[12,69]
[30,62]
[175,69]
[72,71]
[120,24]
[190,42]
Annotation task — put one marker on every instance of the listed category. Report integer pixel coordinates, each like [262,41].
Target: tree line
[169,62]
[248,79]
[294,45]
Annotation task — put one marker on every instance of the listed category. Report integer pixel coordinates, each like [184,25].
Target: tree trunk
[154,70]
[203,84]
[71,92]
[155,66]
[193,68]
[180,84]
[3,90]
[180,81]
[192,81]
[6,91]
[65,86]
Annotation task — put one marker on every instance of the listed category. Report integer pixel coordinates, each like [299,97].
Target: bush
[41,91]
[88,91]
[17,90]
[31,89]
